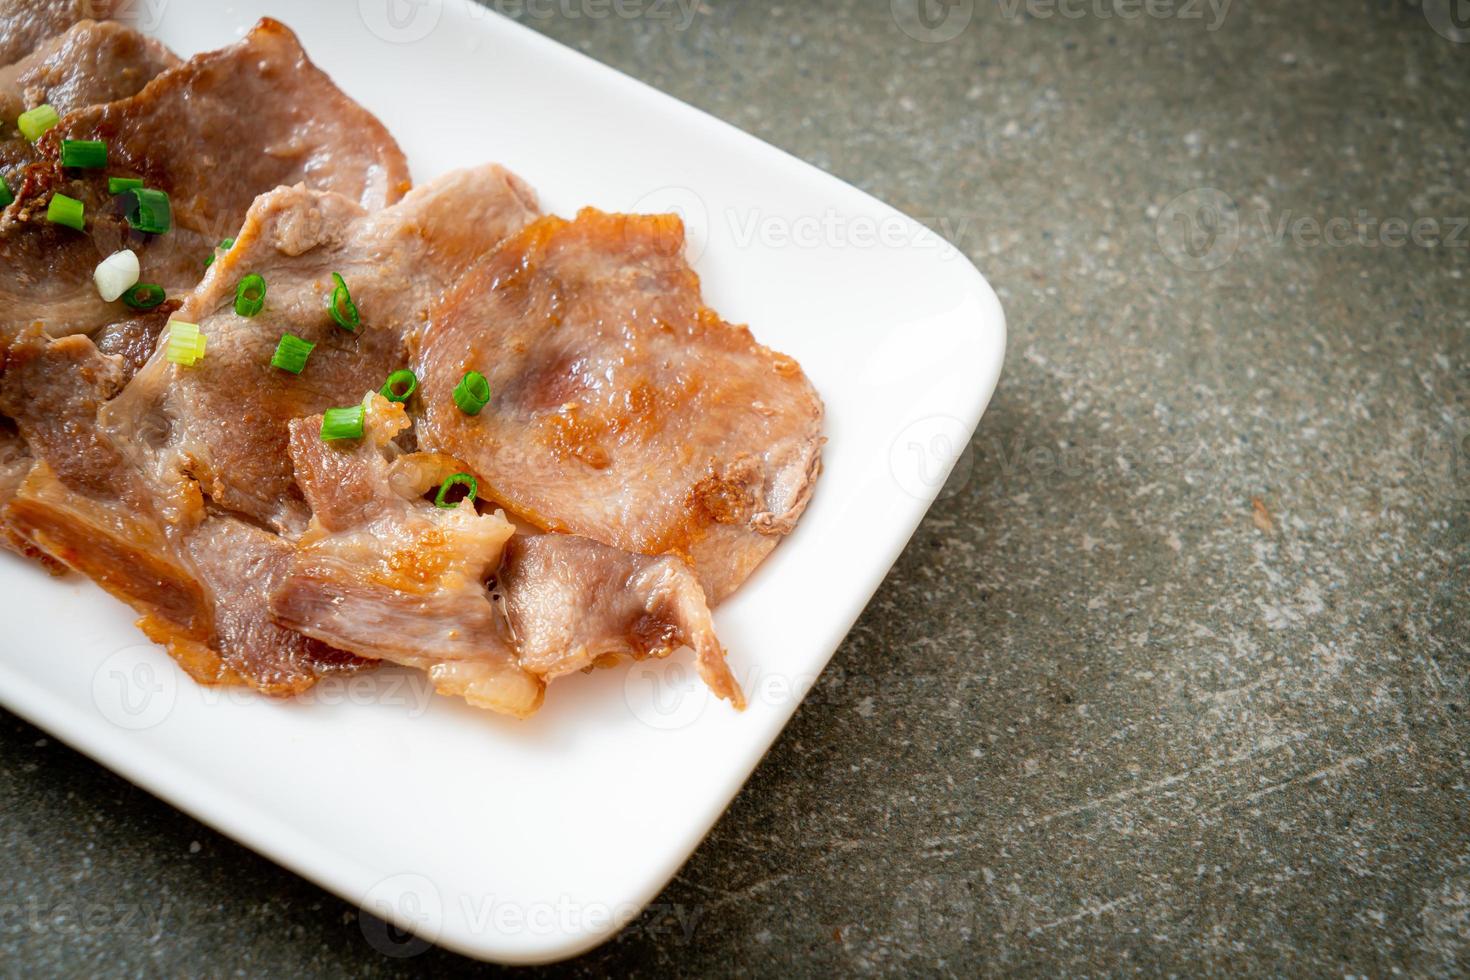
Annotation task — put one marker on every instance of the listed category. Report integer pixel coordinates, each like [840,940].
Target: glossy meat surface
[623,409]
[214,132]
[92,62]
[26,24]
[383,573]
[223,423]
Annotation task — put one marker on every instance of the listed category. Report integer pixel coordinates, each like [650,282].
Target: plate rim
[317,861]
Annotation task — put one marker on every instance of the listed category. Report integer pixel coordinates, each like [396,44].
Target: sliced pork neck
[170,494]
[213,132]
[623,409]
[26,24]
[386,574]
[222,423]
[94,61]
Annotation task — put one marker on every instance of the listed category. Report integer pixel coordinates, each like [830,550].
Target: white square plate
[526,842]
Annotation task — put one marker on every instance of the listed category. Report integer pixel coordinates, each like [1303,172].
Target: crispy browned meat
[386,574]
[396,579]
[201,593]
[224,421]
[622,409]
[25,24]
[574,603]
[152,493]
[214,132]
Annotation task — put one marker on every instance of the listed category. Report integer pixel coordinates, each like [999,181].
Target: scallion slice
[250,295]
[144,296]
[343,423]
[84,154]
[450,482]
[343,310]
[36,121]
[151,212]
[472,393]
[399,386]
[5,196]
[116,274]
[291,353]
[185,343]
[67,211]
[223,246]
[121,185]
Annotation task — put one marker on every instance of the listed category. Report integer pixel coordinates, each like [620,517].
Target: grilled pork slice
[223,422]
[213,132]
[153,492]
[623,408]
[25,24]
[202,593]
[385,574]
[94,61]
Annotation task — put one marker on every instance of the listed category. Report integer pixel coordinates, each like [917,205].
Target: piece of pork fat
[25,24]
[623,409]
[94,61]
[384,573]
[223,422]
[79,503]
[213,132]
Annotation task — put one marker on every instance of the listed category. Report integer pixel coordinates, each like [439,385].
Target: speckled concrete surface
[1172,679]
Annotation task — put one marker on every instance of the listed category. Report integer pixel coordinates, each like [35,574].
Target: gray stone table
[1173,677]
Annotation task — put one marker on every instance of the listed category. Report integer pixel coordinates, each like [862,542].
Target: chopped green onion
[84,154]
[402,379]
[458,479]
[5,196]
[67,211]
[151,212]
[35,122]
[144,296]
[343,423]
[120,185]
[223,246]
[291,353]
[116,274]
[185,343]
[343,310]
[472,393]
[250,295]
